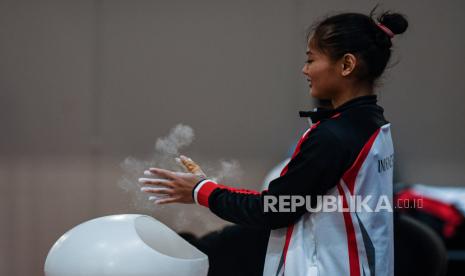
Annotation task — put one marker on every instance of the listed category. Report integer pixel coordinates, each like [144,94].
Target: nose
[304,69]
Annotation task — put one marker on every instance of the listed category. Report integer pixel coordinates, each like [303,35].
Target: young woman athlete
[347,152]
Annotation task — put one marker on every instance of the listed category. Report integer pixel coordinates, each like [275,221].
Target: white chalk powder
[167,149]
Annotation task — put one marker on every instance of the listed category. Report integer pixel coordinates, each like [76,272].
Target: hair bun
[396,22]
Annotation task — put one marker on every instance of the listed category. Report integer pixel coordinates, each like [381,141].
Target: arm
[313,171]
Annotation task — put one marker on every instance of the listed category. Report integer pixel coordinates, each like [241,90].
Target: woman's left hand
[173,187]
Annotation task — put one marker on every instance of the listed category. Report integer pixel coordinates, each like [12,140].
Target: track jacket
[346,152]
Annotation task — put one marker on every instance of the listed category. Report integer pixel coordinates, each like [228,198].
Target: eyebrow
[309,52]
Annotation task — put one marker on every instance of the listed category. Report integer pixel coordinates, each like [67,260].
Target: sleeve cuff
[203,190]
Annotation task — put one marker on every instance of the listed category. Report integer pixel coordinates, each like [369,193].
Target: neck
[349,94]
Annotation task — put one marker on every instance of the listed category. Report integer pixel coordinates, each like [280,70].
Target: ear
[348,63]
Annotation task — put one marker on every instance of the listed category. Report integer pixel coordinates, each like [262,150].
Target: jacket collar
[321,113]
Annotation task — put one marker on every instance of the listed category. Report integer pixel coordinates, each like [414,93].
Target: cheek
[316,74]
[323,82]
[316,71]
[322,75]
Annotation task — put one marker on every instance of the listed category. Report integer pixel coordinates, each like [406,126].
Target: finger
[157,197]
[179,162]
[188,163]
[149,173]
[163,173]
[191,166]
[157,181]
[168,200]
[160,191]
[153,181]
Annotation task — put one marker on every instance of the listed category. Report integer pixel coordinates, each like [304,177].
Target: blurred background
[85,84]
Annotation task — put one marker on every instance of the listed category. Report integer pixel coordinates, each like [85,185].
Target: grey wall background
[83,84]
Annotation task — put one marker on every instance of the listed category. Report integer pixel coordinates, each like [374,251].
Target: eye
[309,61]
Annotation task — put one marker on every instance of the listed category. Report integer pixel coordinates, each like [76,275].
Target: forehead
[311,49]
[310,52]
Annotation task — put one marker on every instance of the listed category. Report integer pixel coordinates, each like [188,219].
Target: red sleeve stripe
[203,190]
[240,191]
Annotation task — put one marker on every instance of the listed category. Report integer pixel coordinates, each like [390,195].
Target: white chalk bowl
[127,244]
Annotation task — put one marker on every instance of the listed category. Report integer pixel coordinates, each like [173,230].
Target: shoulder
[323,150]
[350,130]
[355,125]
[323,138]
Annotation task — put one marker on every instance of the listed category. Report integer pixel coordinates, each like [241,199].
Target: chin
[314,93]
[319,96]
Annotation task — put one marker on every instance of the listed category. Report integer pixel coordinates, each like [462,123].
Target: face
[322,76]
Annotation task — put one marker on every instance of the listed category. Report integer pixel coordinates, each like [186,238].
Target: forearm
[241,206]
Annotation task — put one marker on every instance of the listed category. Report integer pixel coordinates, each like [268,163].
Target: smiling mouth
[309,82]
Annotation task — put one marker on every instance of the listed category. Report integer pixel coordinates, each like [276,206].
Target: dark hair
[360,35]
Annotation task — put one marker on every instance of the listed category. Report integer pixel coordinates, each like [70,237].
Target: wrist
[202,191]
